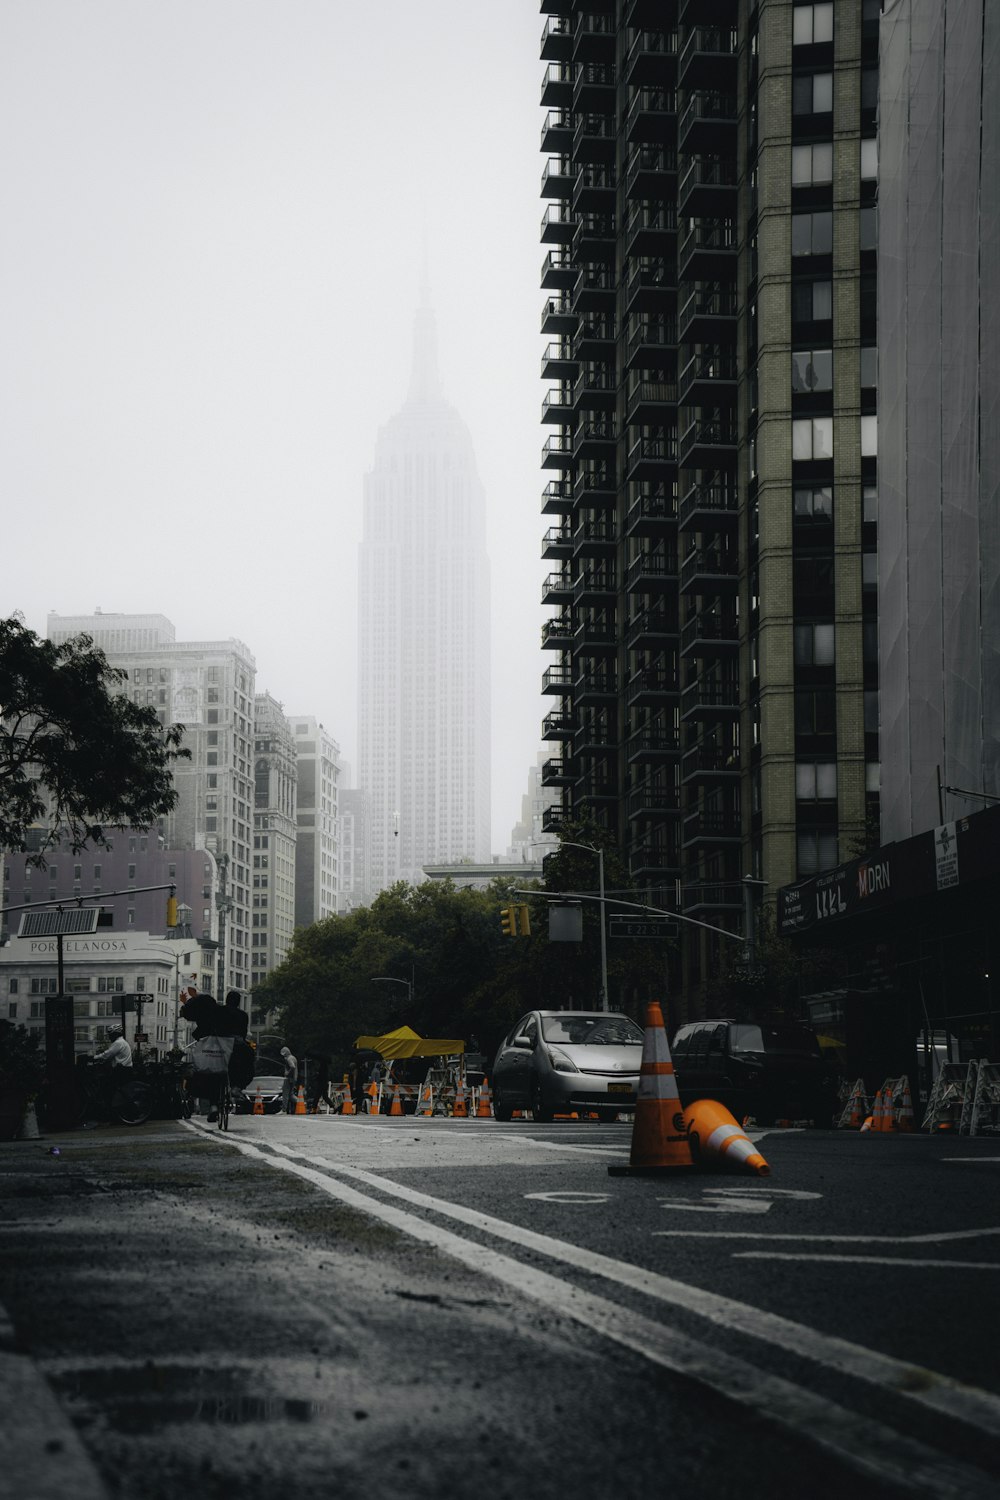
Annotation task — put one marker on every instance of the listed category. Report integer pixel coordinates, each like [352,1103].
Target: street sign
[632,927]
[133,1002]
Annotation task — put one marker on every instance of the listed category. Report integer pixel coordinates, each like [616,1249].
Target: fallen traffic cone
[396,1107]
[258,1104]
[868,1125]
[300,1103]
[659,1138]
[425,1100]
[906,1122]
[461,1109]
[484,1109]
[717,1140]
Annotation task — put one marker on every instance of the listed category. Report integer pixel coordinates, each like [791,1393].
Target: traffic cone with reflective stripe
[461,1109]
[347,1108]
[717,1140]
[300,1103]
[659,1137]
[372,1092]
[905,1122]
[396,1107]
[258,1104]
[876,1125]
[484,1108]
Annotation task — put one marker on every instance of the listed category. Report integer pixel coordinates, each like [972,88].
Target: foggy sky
[215,215]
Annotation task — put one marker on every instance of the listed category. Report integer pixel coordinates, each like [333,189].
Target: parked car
[270,1093]
[558,1061]
[769,1072]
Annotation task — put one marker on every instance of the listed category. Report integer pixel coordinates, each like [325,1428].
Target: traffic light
[524,922]
[171,911]
[508,921]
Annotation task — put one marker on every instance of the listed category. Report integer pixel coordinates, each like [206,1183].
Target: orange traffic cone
[876,1125]
[300,1103]
[888,1124]
[425,1100]
[905,1123]
[258,1104]
[372,1092]
[461,1109]
[717,1140]
[396,1107]
[659,1138]
[484,1109]
[347,1108]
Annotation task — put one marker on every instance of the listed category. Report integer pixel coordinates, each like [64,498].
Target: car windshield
[591,1031]
[770,1040]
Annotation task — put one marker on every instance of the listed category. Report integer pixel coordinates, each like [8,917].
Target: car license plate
[619,1088]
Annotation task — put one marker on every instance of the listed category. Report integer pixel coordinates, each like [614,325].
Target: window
[44,986]
[869,88]
[12,985]
[812,301]
[812,23]
[869,159]
[815,711]
[816,502]
[812,438]
[869,437]
[868,227]
[110,984]
[869,502]
[869,366]
[812,234]
[813,94]
[816,781]
[873,776]
[812,370]
[814,645]
[816,851]
[814,164]
[871,712]
[12,1011]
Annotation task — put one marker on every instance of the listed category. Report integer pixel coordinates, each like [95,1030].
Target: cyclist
[212,1020]
[119,1053]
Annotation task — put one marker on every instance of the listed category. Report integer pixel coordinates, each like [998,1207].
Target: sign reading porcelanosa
[953,854]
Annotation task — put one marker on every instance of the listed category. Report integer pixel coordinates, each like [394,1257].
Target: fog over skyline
[217,218]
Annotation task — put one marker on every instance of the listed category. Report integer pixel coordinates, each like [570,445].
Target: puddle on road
[140,1401]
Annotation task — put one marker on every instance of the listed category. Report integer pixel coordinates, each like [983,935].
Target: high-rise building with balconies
[424,637]
[710,274]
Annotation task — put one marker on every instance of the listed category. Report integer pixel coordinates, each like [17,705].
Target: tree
[75,754]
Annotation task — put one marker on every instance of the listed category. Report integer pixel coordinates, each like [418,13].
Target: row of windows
[812,438]
[812,233]
[812,164]
[812,369]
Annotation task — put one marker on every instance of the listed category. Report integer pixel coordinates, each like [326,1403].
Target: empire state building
[424,636]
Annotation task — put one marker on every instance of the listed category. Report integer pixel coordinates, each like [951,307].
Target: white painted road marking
[871,1260]
[876,1450]
[571,1197]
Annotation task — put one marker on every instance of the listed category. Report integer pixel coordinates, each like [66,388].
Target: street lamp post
[387,979]
[177,956]
[593,849]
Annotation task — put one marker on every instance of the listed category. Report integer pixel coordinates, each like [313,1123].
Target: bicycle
[225,1105]
[105,1096]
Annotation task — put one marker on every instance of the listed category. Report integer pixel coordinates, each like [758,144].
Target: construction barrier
[856,1108]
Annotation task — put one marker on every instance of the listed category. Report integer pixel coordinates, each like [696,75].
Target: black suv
[770,1072]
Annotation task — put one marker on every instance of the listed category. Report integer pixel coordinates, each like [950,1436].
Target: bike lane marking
[928,1388]
[872,1447]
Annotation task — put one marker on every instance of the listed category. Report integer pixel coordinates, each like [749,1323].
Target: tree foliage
[76,755]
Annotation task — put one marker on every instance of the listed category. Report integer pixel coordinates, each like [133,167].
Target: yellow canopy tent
[404,1042]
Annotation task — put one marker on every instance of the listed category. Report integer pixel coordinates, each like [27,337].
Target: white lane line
[872,1260]
[872,1448]
[938,1392]
[933,1238]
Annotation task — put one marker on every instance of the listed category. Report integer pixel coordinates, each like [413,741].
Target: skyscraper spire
[425,381]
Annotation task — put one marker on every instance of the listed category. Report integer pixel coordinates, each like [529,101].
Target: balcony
[596,587]
[650,287]
[557,86]
[557,497]
[594,190]
[559,271]
[711,632]
[649,403]
[708,58]
[558,317]
[652,629]
[652,510]
[647,455]
[652,58]
[650,687]
[652,742]
[558,226]
[595,739]
[709,378]
[707,251]
[558,542]
[553,818]
[558,362]
[711,826]
[595,486]
[652,801]
[558,588]
[710,570]
[558,772]
[707,125]
[595,538]
[557,132]
[557,178]
[652,117]
[594,89]
[556,451]
[557,633]
[650,229]
[651,343]
[595,636]
[711,762]
[708,188]
[651,175]
[708,507]
[594,290]
[594,37]
[655,860]
[596,389]
[557,725]
[709,443]
[652,571]
[595,439]
[594,686]
[557,680]
[712,896]
[557,406]
[594,139]
[708,315]
[594,240]
[557,40]
[710,697]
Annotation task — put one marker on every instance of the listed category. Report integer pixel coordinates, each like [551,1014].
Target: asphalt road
[464,1308]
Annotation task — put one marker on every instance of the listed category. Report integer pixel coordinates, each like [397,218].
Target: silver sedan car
[561,1061]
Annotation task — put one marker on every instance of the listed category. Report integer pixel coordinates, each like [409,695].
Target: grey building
[272,919]
[317,773]
[710,184]
[354,843]
[939,438]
